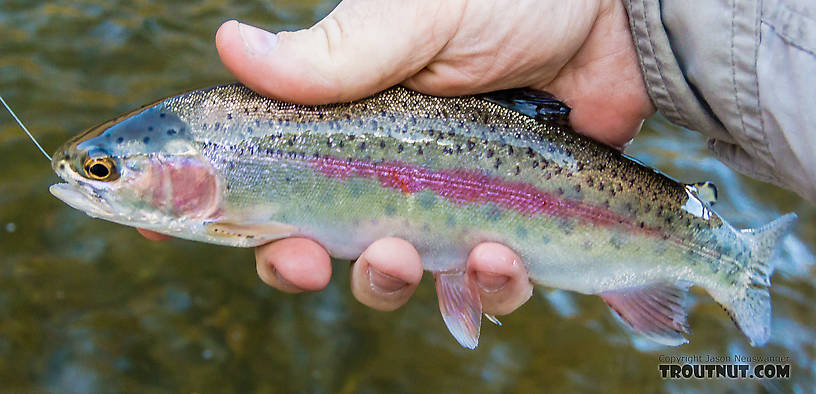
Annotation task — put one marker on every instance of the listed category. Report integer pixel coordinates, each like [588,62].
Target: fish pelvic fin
[460,305]
[657,311]
[749,303]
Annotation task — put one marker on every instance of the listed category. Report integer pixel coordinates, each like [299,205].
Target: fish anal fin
[254,231]
[542,106]
[655,311]
[460,305]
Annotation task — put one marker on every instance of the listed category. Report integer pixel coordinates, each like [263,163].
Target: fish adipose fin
[460,305]
[749,304]
[542,106]
[657,311]
[706,191]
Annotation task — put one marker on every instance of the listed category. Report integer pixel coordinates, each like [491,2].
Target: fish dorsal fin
[460,305]
[542,106]
[706,191]
[656,311]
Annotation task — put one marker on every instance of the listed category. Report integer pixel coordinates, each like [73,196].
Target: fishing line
[25,129]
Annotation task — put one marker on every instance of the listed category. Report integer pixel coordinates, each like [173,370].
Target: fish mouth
[83,199]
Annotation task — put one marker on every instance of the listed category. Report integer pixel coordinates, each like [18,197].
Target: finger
[293,265]
[386,274]
[360,48]
[152,235]
[502,279]
[603,83]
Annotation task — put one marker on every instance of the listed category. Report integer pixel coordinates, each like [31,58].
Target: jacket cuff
[665,81]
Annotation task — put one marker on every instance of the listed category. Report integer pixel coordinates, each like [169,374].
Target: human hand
[581,51]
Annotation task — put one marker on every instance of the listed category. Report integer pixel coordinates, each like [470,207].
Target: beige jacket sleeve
[742,72]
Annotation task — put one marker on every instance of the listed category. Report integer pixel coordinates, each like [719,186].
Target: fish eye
[101,169]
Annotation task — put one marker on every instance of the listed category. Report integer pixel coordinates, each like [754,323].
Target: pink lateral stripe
[464,187]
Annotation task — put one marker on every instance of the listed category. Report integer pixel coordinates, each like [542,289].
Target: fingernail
[384,283]
[258,41]
[283,282]
[490,282]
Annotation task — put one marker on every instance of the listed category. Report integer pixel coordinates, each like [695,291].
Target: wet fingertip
[282,283]
[153,236]
[491,282]
[384,283]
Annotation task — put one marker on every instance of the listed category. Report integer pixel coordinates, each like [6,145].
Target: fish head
[141,169]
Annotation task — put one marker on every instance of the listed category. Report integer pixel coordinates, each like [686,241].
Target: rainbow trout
[226,166]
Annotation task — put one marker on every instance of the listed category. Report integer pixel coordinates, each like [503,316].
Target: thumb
[360,48]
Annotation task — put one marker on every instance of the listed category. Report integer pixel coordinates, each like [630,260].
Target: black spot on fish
[578,188]
[489,153]
[510,150]
[399,148]
[229,116]
[150,128]
[419,151]
[382,144]
[171,131]
[518,170]
[217,125]
[471,144]
[62,166]
[329,142]
[120,140]
[362,146]
[498,163]
[146,139]
[162,115]
[340,144]
[535,163]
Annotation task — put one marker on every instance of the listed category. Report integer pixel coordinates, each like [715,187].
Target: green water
[89,306]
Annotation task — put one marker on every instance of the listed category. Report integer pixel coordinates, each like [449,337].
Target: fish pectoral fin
[254,231]
[655,311]
[460,305]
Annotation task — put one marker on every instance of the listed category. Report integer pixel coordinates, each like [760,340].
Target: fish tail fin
[748,302]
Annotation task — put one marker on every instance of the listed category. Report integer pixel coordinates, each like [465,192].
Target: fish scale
[227,166]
